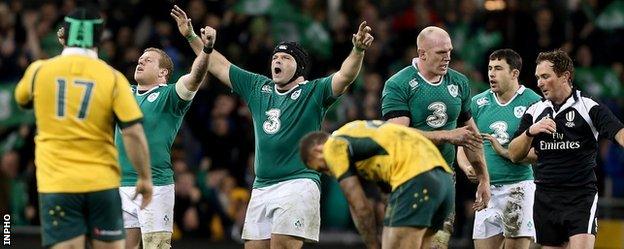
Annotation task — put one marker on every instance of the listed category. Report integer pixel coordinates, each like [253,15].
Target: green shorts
[423,201]
[67,215]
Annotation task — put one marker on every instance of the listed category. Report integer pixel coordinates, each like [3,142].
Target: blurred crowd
[213,153]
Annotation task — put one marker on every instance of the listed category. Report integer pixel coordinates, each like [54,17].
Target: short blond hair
[164,61]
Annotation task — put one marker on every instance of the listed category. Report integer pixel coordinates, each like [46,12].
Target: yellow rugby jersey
[77,100]
[381,152]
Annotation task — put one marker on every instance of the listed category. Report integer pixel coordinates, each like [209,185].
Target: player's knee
[157,240]
[286,241]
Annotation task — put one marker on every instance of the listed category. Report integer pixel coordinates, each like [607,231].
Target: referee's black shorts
[561,213]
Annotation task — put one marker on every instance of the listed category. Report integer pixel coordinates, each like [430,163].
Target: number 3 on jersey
[61,98]
[439,117]
[500,131]
[272,124]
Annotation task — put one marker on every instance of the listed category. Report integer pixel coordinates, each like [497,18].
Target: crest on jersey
[482,101]
[519,111]
[152,97]
[413,83]
[453,90]
[570,118]
[265,89]
[295,95]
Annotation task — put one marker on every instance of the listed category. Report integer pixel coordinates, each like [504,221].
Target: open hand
[145,188]
[467,137]
[482,197]
[497,146]
[184,23]
[545,125]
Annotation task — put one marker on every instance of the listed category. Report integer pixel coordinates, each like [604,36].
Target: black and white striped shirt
[567,158]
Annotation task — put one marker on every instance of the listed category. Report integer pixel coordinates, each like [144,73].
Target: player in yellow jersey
[77,100]
[401,158]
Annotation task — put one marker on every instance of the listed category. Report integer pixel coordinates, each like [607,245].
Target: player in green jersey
[163,107]
[508,219]
[435,99]
[284,210]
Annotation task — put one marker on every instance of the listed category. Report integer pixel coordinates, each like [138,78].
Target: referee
[563,128]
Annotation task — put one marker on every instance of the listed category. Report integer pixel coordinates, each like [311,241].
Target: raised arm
[218,65]
[361,211]
[351,65]
[192,80]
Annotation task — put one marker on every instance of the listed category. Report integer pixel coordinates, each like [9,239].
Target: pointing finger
[362,25]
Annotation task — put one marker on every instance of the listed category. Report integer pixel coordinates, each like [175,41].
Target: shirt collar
[80,51]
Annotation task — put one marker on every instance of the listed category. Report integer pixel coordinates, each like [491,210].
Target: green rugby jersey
[501,121]
[163,112]
[430,106]
[280,121]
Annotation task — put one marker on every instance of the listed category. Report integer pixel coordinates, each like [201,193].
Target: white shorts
[510,212]
[156,217]
[290,208]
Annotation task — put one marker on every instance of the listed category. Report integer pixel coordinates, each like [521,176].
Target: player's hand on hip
[482,196]
[208,36]
[465,136]
[184,23]
[362,40]
[546,125]
[145,188]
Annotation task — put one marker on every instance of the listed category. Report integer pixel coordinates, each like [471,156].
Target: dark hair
[511,57]
[560,60]
[297,52]
[310,140]
[87,26]
[164,61]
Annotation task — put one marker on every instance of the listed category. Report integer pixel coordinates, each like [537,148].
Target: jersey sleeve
[473,106]
[465,113]
[605,122]
[177,105]
[394,100]
[336,152]
[323,92]
[245,82]
[24,88]
[125,107]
